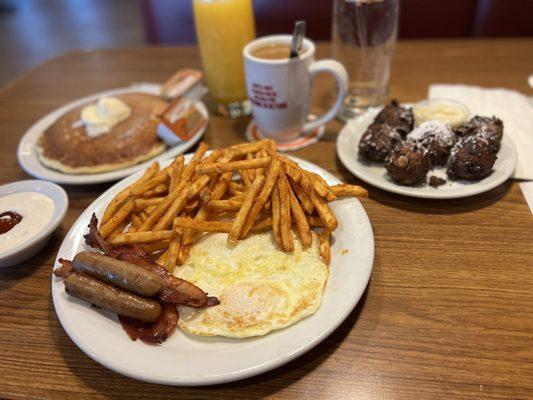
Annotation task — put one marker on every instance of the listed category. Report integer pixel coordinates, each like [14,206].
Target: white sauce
[452,113]
[36,210]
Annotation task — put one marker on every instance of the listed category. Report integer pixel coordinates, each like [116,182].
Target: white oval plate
[29,161]
[376,175]
[189,360]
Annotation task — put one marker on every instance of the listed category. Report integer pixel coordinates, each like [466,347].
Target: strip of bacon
[152,333]
[65,270]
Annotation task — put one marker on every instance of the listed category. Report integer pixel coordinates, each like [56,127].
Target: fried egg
[260,288]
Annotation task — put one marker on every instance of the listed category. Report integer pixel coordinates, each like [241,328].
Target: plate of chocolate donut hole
[432,149]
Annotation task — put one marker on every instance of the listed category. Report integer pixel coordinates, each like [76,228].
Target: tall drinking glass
[364,36]
[223,28]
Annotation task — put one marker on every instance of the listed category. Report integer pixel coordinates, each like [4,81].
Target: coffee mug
[280,89]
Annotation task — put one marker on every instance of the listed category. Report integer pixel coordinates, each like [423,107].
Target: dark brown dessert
[471,158]
[490,128]
[435,181]
[437,138]
[377,142]
[408,163]
[398,117]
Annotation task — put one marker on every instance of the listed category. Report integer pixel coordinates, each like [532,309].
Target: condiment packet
[180,83]
[181,120]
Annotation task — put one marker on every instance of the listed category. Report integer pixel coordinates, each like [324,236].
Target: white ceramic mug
[280,89]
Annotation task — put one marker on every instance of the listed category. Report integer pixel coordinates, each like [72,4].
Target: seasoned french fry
[188,171]
[325,251]
[218,168]
[149,184]
[295,173]
[239,187]
[263,196]
[235,192]
[205,194]
[285,214]
[218,191]
[344,189]
[198,185]
[251,172]
[183,254]
[148,210]
[191,206]
[176,200]
[120,228]
[143,237]
[155,246]
[245,209]
[324,211]
[276,224]
[124,194]
[175,208]
[116,219]
[224,205]
[172,254]
[162,258]
[313,220]
[141,204]
[263,224]
[202,226]
[175,173]
[261,154]
[299,219]
[157,191]
[321,187]
[160,209]
[136,221]
[302,195]
[244,148]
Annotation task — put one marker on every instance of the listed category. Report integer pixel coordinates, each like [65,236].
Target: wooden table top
[448,312]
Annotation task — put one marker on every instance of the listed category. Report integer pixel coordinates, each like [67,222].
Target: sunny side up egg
[260,288]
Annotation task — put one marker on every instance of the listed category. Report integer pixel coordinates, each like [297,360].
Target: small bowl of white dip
[30,211]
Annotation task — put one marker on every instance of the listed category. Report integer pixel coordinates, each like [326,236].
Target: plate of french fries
[238,190]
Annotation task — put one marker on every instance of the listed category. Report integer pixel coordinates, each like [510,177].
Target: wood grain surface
[448,312]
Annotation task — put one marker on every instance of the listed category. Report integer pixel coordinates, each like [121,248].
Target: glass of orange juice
[223,28]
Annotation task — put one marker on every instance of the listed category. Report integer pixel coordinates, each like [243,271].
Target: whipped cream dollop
[98,118]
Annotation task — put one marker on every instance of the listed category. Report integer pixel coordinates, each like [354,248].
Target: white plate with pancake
[27,152]
[189,360]
[375,174]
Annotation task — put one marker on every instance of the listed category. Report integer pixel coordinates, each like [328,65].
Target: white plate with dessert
[103,137]
[208,348]
[434,149]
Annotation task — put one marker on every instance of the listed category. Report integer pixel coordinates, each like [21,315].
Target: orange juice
[223,27]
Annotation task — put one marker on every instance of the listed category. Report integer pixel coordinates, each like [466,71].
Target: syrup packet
[181,120]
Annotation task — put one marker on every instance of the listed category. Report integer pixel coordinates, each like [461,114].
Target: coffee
[274,51]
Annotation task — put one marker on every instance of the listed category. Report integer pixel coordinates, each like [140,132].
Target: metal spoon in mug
[297,38]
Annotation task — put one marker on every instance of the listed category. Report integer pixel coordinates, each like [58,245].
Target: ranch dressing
[36,210]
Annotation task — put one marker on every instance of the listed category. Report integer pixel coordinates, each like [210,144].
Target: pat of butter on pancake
[260,288]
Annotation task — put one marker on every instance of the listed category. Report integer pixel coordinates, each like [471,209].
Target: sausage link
[122,274]
[111,298]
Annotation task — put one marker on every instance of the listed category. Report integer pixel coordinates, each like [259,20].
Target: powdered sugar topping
[438,129]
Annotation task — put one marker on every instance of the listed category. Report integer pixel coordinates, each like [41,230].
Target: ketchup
[8,220]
